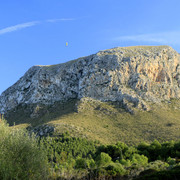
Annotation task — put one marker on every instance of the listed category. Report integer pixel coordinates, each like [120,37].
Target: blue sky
[35,32]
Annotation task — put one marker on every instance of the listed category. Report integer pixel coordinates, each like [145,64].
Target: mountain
[128,75]
[135,79]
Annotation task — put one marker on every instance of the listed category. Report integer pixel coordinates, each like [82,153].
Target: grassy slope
[161,123]
[108,123]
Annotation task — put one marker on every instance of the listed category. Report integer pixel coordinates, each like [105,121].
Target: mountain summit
[132,76]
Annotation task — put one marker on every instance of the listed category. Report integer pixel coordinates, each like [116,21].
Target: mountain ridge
[133,76]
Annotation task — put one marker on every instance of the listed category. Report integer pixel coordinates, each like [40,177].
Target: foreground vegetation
[79,158]
[24,156]
[21,155]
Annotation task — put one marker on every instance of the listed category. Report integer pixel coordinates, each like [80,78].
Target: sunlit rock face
[130,75]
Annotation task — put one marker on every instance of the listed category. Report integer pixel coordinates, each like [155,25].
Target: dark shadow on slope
[35,114]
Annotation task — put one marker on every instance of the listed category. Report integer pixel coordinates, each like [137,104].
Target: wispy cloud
[18,27]
[29,24]
[171,37]
[57,20]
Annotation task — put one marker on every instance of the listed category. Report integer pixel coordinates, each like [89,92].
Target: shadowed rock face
[131,75]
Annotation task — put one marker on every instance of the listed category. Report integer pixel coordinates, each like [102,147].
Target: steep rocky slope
[132,76]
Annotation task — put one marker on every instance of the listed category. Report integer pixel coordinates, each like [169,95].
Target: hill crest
[133,76]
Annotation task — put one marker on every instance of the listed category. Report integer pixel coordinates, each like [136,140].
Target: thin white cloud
[57,20]
[29,24]
[171,37]
[18,27]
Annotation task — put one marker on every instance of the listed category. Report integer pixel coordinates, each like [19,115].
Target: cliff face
[131,75]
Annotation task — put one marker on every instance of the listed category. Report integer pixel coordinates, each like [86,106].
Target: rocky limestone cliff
[133,76]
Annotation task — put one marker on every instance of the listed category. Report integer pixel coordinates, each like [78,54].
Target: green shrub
[139,160]
[103,159]
[163,175]
[81,163]
[171,161]
[157,165]
[21,157]
[91,163]
[115,169]
[125,162]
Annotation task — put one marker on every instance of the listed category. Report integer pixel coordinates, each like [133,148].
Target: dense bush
[158,151]
[64,145]
[115,169]
[103,159]
[157,165]
[172,174]
[82,157]
[21,157]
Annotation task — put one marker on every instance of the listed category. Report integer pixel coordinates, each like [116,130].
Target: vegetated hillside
[128,94]
[105,121]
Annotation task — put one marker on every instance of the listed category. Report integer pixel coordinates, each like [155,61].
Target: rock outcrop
[130,75]
[43,130]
